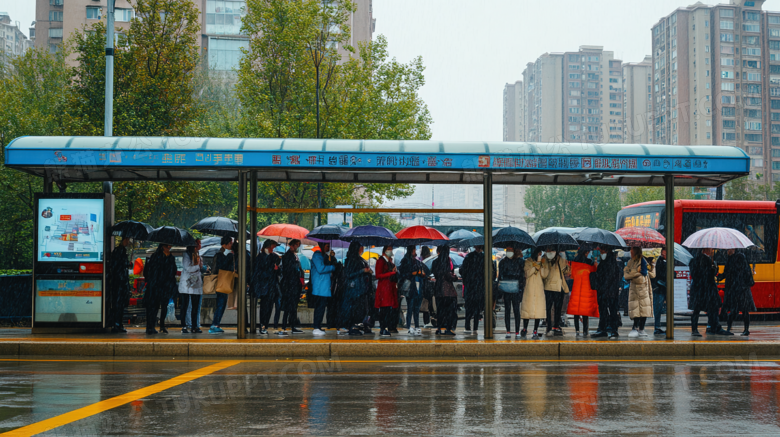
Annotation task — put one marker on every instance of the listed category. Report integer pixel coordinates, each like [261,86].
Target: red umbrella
[283,233]
[642,237]
[419,235]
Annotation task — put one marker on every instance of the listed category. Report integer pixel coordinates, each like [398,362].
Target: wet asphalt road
[413,398]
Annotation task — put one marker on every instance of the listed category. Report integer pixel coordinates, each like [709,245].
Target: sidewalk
[764,341]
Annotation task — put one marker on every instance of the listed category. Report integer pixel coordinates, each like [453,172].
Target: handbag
[209,284]
[226,281]
[511,286]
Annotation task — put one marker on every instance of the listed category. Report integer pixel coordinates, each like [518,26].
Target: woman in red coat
[582,302]
[386,290]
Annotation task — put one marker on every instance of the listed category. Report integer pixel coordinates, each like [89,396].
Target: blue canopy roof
[78,159]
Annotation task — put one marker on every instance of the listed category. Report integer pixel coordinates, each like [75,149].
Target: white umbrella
[718,238]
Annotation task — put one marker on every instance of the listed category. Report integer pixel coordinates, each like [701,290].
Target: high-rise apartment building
[637,102]
[13,42]
[514,112]
[716,73]
[574,97]
[220,25]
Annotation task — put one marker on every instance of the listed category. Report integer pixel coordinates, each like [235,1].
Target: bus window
[761,229]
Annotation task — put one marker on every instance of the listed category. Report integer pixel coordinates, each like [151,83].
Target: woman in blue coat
[323,264]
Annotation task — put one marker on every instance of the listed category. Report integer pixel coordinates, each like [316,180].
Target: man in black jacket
[607,282]
[473,273]
[265,282]
[737,295]
[119,285]
[704,293]
[510,270]
[659,292]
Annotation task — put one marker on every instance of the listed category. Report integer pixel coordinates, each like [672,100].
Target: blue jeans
[413,302]
[658,304]
[222,299]
[319,311]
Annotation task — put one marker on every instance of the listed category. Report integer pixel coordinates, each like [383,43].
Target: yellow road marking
[97,408]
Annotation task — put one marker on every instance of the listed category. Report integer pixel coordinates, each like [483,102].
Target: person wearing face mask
[386,290]
[191,287]
[410,281]
[224,260]
[704,293]
[533,300]
[357,283]
[554,288]
[582,302]
[607,284]
[118,289]
[640,295]
[291,287]
[511,283]
[444,291]
[265,281]
[659,292]
[322,267]
[160,275]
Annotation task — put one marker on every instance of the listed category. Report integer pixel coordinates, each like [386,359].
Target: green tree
[573,206]
[743,189]
[366,96]
[34,89]
[648,194]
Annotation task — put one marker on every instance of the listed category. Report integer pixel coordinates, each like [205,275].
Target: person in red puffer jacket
[386,290]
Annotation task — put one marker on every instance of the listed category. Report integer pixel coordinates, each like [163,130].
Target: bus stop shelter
[64,160]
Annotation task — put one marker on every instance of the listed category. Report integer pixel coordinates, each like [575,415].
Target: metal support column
[669,188]
[488,223]
[253,244]
[242,273]
[47,179]
[108,128]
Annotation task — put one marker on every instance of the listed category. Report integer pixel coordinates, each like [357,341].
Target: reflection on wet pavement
[326,397]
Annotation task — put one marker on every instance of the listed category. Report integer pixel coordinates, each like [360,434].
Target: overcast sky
[472,48]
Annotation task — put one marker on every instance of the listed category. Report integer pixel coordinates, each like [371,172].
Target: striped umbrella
[642,237]
[718,238]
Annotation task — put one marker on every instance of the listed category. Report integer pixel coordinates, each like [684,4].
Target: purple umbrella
[369,235]
[333,243]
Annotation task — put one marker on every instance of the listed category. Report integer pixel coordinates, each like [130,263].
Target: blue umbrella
[369,235]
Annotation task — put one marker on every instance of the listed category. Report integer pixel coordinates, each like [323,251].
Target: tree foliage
[648,194]
[573,206]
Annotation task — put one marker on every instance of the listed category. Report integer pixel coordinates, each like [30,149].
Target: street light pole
[108,123]
[319,184]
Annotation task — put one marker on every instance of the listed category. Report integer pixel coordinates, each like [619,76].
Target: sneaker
[448,332]
[613,335]
[214,331]
[263,332]
[297,331]
[342,331]
[633,334]
[394,331]
[517,335]
[558,332]
[535,336]
[184,331]
[418,331]
[412,331]
[467,332]
[151,331]
[522,333]
[642,333]
[577,334]
[508,335]
[318,332]
[695,333]
[599,334]
[384,333]
[659,332]
[217,329]
[428,326]
[282,332]
[745,333]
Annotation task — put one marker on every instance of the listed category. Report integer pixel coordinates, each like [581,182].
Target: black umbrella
[511,236]
[221,226]
[171,235]
[600,237]
[327,232]
[211,241]
[558,239]
[459,236]
[131,229]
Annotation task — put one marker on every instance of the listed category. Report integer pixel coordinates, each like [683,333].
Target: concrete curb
[692,349]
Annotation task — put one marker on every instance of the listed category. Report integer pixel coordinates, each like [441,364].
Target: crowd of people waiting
[535,288]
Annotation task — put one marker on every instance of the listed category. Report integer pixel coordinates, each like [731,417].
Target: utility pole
[108,127]
[317,61]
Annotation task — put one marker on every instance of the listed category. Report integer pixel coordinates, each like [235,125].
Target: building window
[55,2]
[752,125]
[774,104]
[224,17]
[55,33]
[727,24]
[727,37]
[729,124]
[752,88]
[774,32]
[757,162]
[727,86]
[774,19]
[756,138]
[123,15]
[54,48]
[708,135]
[751,64]
[750,15]
[728,61]
[751,28]
[755,150]
[93,12]
[776,116]
[727,13]
[727,74]
[729,112]
[753,113]
[225,54]
[55,15]
[751,52]
[729,136]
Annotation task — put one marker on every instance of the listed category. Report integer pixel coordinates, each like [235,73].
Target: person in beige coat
[533,304]
[638,273]
[555,287]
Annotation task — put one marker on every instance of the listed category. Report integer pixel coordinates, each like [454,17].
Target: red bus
[757,220]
